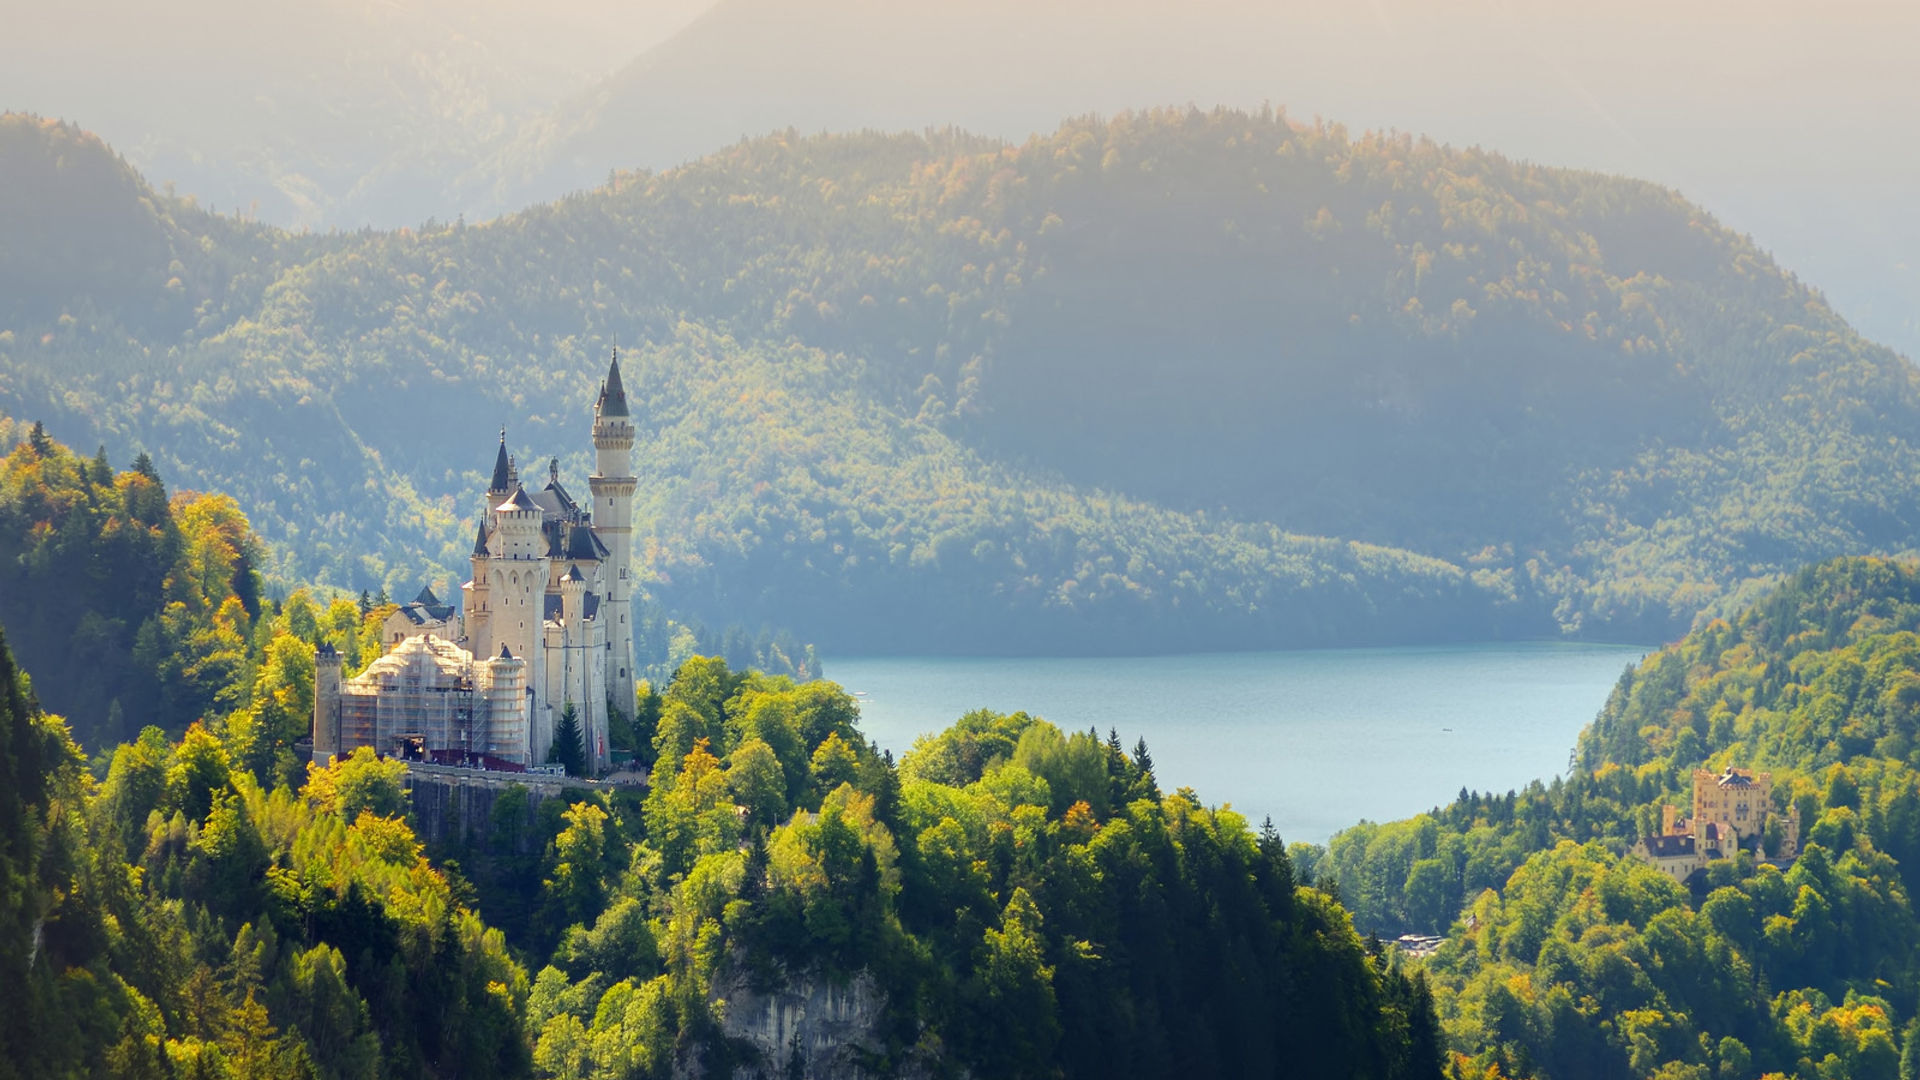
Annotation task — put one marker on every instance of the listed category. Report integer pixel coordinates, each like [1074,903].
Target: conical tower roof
[480,540]
[502,467]
[613,396]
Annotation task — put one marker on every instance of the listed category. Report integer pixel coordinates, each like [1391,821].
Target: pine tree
[1275,872]
[568,749]
[1143,761]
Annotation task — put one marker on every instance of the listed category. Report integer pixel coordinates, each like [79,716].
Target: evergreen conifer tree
[1143,762]
[568,749]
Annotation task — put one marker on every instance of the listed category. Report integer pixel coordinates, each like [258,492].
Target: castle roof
[583,544]
[554,501]
[480,540]
[613,396]
[426,597]
[1667,847]
[560,494]
[421,614]
[1735,778]
[573,574]
[519,502]
[502,468]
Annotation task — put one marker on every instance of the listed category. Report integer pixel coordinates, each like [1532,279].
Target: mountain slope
[1094,391]
[1696,104]
[1567,958]
[776,488]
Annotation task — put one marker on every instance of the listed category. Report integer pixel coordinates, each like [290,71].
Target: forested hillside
[1098,391]
[134,607]
[1566,958]
[1020,902]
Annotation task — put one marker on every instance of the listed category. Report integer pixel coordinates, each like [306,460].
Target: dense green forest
[1566,958]
[1108,389]
[1021,901]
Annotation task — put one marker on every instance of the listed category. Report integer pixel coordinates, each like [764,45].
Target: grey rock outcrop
[818,1027]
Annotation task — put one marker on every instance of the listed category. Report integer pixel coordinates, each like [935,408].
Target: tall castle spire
[613,396]
[502,467]
[613,485]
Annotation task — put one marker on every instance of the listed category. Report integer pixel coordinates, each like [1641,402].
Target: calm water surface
[1317,739]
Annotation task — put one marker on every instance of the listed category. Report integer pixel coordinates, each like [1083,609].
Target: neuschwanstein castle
[545,623]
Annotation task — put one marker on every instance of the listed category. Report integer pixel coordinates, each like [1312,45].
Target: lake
[1318,739]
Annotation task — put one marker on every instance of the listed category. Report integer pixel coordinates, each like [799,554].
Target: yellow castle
[1730,812]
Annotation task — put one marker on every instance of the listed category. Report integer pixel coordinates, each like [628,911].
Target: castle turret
[326,703]
[502,484]
[580,668]
[478,610]
[517,591]
[613,484]
[505,683]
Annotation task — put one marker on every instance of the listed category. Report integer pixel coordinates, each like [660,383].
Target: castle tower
[613,485]
[505,682]
[326,703]
[502,484]
[517,591]
[477,609]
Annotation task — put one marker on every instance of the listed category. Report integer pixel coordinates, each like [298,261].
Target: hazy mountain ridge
[330,408]
[1691,95]
[890,373]
[388,114]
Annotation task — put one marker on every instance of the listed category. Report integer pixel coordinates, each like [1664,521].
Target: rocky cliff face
[451,805]
[809,1026]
